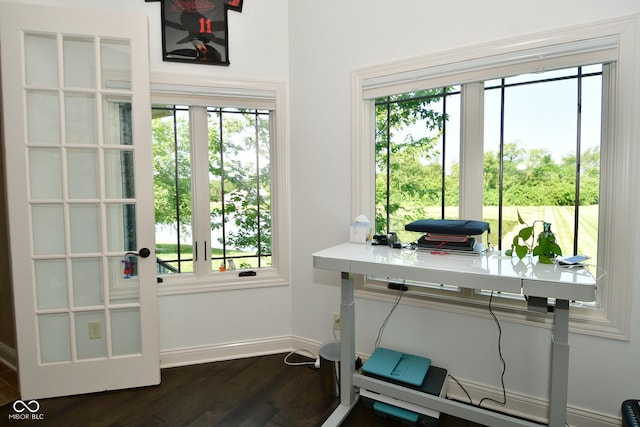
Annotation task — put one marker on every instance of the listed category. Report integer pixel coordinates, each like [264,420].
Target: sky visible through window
[538,115]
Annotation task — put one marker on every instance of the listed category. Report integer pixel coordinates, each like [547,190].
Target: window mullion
[363,161]
[472,151]
[200,185]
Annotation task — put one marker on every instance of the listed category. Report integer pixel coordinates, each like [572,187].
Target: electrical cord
[504,364]
[311,355]
[386,320]
[462,388]
[502,360]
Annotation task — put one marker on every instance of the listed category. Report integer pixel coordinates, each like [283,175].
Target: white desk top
[476,271]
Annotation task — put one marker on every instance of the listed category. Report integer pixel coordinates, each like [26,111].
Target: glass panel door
[85,296]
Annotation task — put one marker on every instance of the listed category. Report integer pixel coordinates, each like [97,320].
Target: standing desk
[491,271]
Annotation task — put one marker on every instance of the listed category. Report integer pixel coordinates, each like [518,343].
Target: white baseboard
[519,405]
[528,407]
[237,350]
[8,356]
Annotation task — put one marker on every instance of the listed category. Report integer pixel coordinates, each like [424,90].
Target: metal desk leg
[347,354]
[559,365]
[347,342]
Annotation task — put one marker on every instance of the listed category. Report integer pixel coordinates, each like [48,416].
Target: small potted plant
[544,246]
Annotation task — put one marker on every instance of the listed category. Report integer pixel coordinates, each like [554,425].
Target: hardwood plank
[259,391]
[8,385]
[252,392]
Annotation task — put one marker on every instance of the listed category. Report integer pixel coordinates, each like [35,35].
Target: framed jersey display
[196,31]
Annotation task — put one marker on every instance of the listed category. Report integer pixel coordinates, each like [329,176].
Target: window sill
[222,282]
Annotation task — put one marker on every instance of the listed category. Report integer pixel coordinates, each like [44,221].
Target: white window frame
[615,39]
[204,91]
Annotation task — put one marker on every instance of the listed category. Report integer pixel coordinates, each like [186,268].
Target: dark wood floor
[252,392]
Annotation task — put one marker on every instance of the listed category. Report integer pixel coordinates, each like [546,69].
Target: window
[541,160]
[218,191]
[478,135]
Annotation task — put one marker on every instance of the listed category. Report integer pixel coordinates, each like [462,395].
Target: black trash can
[330,368]
[631,413]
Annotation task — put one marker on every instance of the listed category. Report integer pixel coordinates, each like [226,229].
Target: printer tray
[467,245]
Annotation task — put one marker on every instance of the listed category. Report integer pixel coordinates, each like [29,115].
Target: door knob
[142,253]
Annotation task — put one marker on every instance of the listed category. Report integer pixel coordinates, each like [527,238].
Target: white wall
[328,41]
[258,37]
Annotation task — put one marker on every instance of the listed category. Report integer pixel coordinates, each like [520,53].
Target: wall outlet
[95,330]
[336,321]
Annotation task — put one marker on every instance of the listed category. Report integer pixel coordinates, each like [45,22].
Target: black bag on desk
[449,227]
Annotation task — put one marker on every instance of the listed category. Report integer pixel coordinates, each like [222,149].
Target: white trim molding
[528,407]
[236,350]
[202,91]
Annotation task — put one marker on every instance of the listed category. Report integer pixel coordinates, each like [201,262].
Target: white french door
[77,141]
